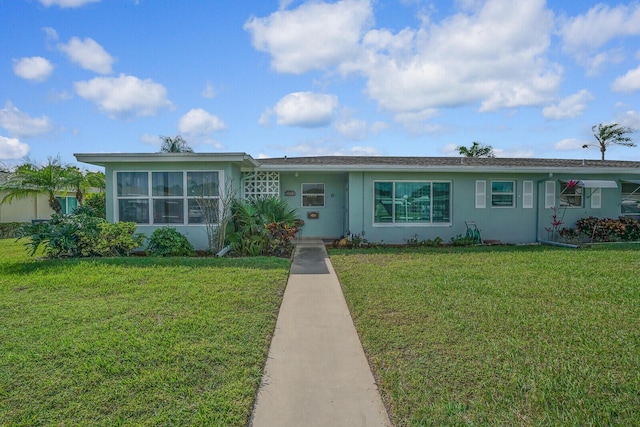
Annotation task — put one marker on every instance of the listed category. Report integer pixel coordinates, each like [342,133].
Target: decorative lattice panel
[261,184]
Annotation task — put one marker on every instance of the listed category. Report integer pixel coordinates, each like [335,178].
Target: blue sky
[300,78]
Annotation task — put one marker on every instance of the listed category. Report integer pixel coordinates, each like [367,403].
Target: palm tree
[613,134]
[174,145]
[476,150]
[31,179]
[81,182]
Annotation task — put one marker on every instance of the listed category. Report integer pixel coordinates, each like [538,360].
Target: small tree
[174,145]
[476,150]
[613,134]
[216,215]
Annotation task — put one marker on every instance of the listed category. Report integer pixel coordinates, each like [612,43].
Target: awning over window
[590,183]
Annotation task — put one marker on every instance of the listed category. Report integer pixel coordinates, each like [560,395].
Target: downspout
[539,204]
[362,223]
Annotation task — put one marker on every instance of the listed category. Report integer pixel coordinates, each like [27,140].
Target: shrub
[80,235]
[10,229]
[118,239]
[97,202]
[263,227]
[167,241]
[607,229]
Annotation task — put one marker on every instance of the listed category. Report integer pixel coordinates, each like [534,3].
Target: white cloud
[52,34]
[66,3]
[88,54]
[316,35]
[209,91]
[35,68]
[590,31]
[22,125]
[583,35]
[199,122]
[630,118]
[353,129]
[630,82]
[571,106]
[455,62]
[12,148]
[568,144]
[491,53]
[124,96]
[306,109]
[320,148]
[514,153]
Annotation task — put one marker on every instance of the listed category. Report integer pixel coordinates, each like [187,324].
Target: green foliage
[263,227]
[174,145]
[606,229]
[167,241]
[118,239]
[10,230]
[461,240]
[80,235]
[612,134]
[98,203]
[416,241]
[476,150]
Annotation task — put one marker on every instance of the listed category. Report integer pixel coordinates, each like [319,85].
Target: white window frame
[502,193]
[596,198]
[550,195]
[151,198]
[394,223]
[527,194]
[627,197]
[574,194]
[481,194]
[303,194]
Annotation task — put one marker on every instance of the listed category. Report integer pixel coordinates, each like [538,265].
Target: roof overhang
[103,159]
[597,183]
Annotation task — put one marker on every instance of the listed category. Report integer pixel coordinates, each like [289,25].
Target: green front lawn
[134,341]
[530,336]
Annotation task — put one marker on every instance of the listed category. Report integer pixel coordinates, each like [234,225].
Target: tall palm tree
[612,134]
[31,179]
[174,145]
[476,150]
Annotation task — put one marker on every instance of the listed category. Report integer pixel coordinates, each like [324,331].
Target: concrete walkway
[316,373]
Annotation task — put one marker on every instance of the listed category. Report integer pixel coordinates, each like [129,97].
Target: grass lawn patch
[501,336]
[134,341]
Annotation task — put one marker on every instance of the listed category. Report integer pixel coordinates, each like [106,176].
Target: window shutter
[550,195]
[596,198]
[481,194]
[527,194]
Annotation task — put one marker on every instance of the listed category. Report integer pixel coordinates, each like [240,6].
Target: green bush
[80,235]
[97,202]
[263,227]
[607,229]
[167,241]
[118,239]
[10,229]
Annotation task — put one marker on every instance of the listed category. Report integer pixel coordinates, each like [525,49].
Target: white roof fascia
[101,159]
[466,169]
[590,183]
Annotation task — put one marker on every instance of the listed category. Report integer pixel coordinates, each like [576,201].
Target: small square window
[503,194]
[570,194]
[313,195]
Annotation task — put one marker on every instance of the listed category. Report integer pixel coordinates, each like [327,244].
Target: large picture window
[168,197]
[411,202]
[503,194]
